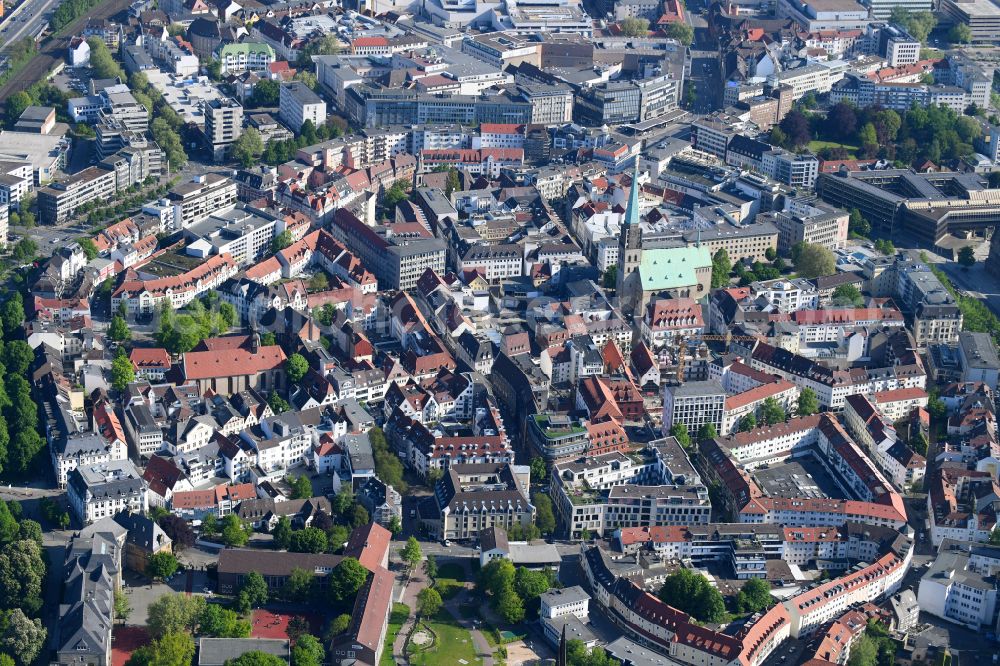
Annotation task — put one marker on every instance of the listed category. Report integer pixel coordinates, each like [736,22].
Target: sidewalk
[411,588]
[483,648]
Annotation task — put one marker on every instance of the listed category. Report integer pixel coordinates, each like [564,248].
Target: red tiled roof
[231,363]
[144,358]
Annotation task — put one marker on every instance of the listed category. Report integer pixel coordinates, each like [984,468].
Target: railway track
[53,50]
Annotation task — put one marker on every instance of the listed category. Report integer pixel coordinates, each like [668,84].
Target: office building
[694,404]
[105,489]
[465,494]
[982,17]
[813,222]
[397,261]
[502,50]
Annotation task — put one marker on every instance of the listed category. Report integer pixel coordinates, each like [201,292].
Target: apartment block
[223,125]
[297,104]
[202,196]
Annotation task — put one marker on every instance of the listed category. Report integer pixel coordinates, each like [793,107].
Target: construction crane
[681,343]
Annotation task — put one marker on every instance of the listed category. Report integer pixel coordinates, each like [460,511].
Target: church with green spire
[662,272]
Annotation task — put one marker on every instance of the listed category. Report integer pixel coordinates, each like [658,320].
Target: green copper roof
[247,48]
[632,210]
[671,268]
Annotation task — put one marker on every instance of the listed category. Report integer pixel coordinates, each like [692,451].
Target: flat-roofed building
[982,17]
[500,49]
[200,197]
[297,104]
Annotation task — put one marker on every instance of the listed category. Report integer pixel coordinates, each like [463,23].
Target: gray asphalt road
[25,18]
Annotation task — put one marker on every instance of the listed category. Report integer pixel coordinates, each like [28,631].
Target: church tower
[630,250]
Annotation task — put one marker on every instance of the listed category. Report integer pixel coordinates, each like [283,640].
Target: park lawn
[448,588]
[452,570]
[818,145]
[396,619]
[452,644]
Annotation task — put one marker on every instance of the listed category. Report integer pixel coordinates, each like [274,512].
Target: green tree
[610,277]
[359,516]
[959,34]
[430,566]
[296,368]
[326,45]
[545,517]
[967,256]
[268,339]
[496,575]
[919,24]
[319,282]
[16,104]
[209,525]
[22,636]
[17,357]
[994,539]
[161,565]
[340,624]
[253,592]
[89,248]
[122,373]
[411,553]
[453,183]
[721,268]
[248,148]
[858,224]
[256,658]
[119,330]
[808,403]
[919,443]
[265,93]
[220,622]
[539,470]
[300,586]
[227,313]
[234,532]
[680,31]
[173,613]
[301,487]
[101,61]
[680,432]
[772,412]
[428,602]
[346,579]
[13,314]
[308,651]
[754,596]
[9,529]
[510,606]
[529,584]
[691,592]
[634,27]
[122,606]
[885,247]
[707,431]
[309,540]
[22,572]
[281,241]
[278,404]
[864,652]
[812,260]
[29,530]
[394,195]
[847,295]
